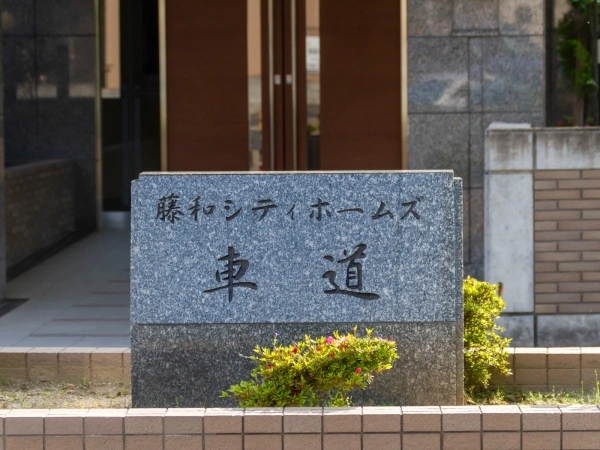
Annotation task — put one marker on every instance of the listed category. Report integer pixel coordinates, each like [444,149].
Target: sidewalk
[77,298]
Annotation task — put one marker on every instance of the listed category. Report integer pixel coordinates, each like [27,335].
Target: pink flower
[358,370]
[329,339]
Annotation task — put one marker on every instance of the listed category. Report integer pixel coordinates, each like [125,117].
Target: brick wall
[537,369]
[543,369]
[65,365]
[368,428]
[40,208]
[567,241]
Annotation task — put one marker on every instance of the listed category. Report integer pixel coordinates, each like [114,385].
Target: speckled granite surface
[285,269]
[189,365]
[300,250]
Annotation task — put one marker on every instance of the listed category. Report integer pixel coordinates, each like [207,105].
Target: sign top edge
[312,172]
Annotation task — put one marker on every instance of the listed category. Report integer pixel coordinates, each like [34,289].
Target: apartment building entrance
[284,85]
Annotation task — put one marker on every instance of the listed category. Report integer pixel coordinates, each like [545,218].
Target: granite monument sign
[221,262]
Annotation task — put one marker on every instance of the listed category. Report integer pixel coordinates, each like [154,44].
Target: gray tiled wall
[470,63]
[49,65]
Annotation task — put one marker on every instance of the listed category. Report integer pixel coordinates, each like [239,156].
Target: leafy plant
[484,348]
[577,67]
[314,372]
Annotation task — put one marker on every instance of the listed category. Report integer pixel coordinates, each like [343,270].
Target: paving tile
[531,358]
[590,358]
[382,419]
[540,418]
[461,418]
[263,420]
[24,443]
[548,440]
[341,442]
[581,440]
[63,443]
[43,356]
[302,441]
[105,341]
[66,279]
[184,421]
[104,442]
[462,441]
[302,420]
[421,441]
[57,341]
[14,357]
[223,442]
[502,440]
[501,418]
[144,442]
[584,418]
[342,420]
[63,424]
[564,358]
[107,421]
[143,424]
[75,357]
[183,442]
[263,442]
[421,418]
[223,420]
[23,423]
[381,441]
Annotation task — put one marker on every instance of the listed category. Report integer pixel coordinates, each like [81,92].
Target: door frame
[162,76]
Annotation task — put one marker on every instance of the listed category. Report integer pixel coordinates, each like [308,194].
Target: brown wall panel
[207,85]
[360,85]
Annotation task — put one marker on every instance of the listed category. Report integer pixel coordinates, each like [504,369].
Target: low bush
[484,347]
[314,372]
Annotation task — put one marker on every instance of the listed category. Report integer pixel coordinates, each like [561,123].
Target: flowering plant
[314,372]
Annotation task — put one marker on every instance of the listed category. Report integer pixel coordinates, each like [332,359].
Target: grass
[85,395]
[508,396]
[63,395]
[503,396]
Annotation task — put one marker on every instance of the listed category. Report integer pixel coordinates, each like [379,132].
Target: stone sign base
[190,365]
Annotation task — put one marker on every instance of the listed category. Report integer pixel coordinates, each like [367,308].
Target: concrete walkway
[77,298]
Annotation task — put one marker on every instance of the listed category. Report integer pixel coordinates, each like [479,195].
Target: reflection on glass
[254,86]
[111,79]
[313,83]
[560,110]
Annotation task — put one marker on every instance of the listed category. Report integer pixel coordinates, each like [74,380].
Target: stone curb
[68,365]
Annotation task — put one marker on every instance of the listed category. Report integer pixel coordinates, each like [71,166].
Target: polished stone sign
[220,262]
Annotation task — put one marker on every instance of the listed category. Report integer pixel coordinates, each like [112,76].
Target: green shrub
[484,348]
[314,372]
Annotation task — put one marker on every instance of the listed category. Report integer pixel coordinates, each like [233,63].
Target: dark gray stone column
[2,181]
